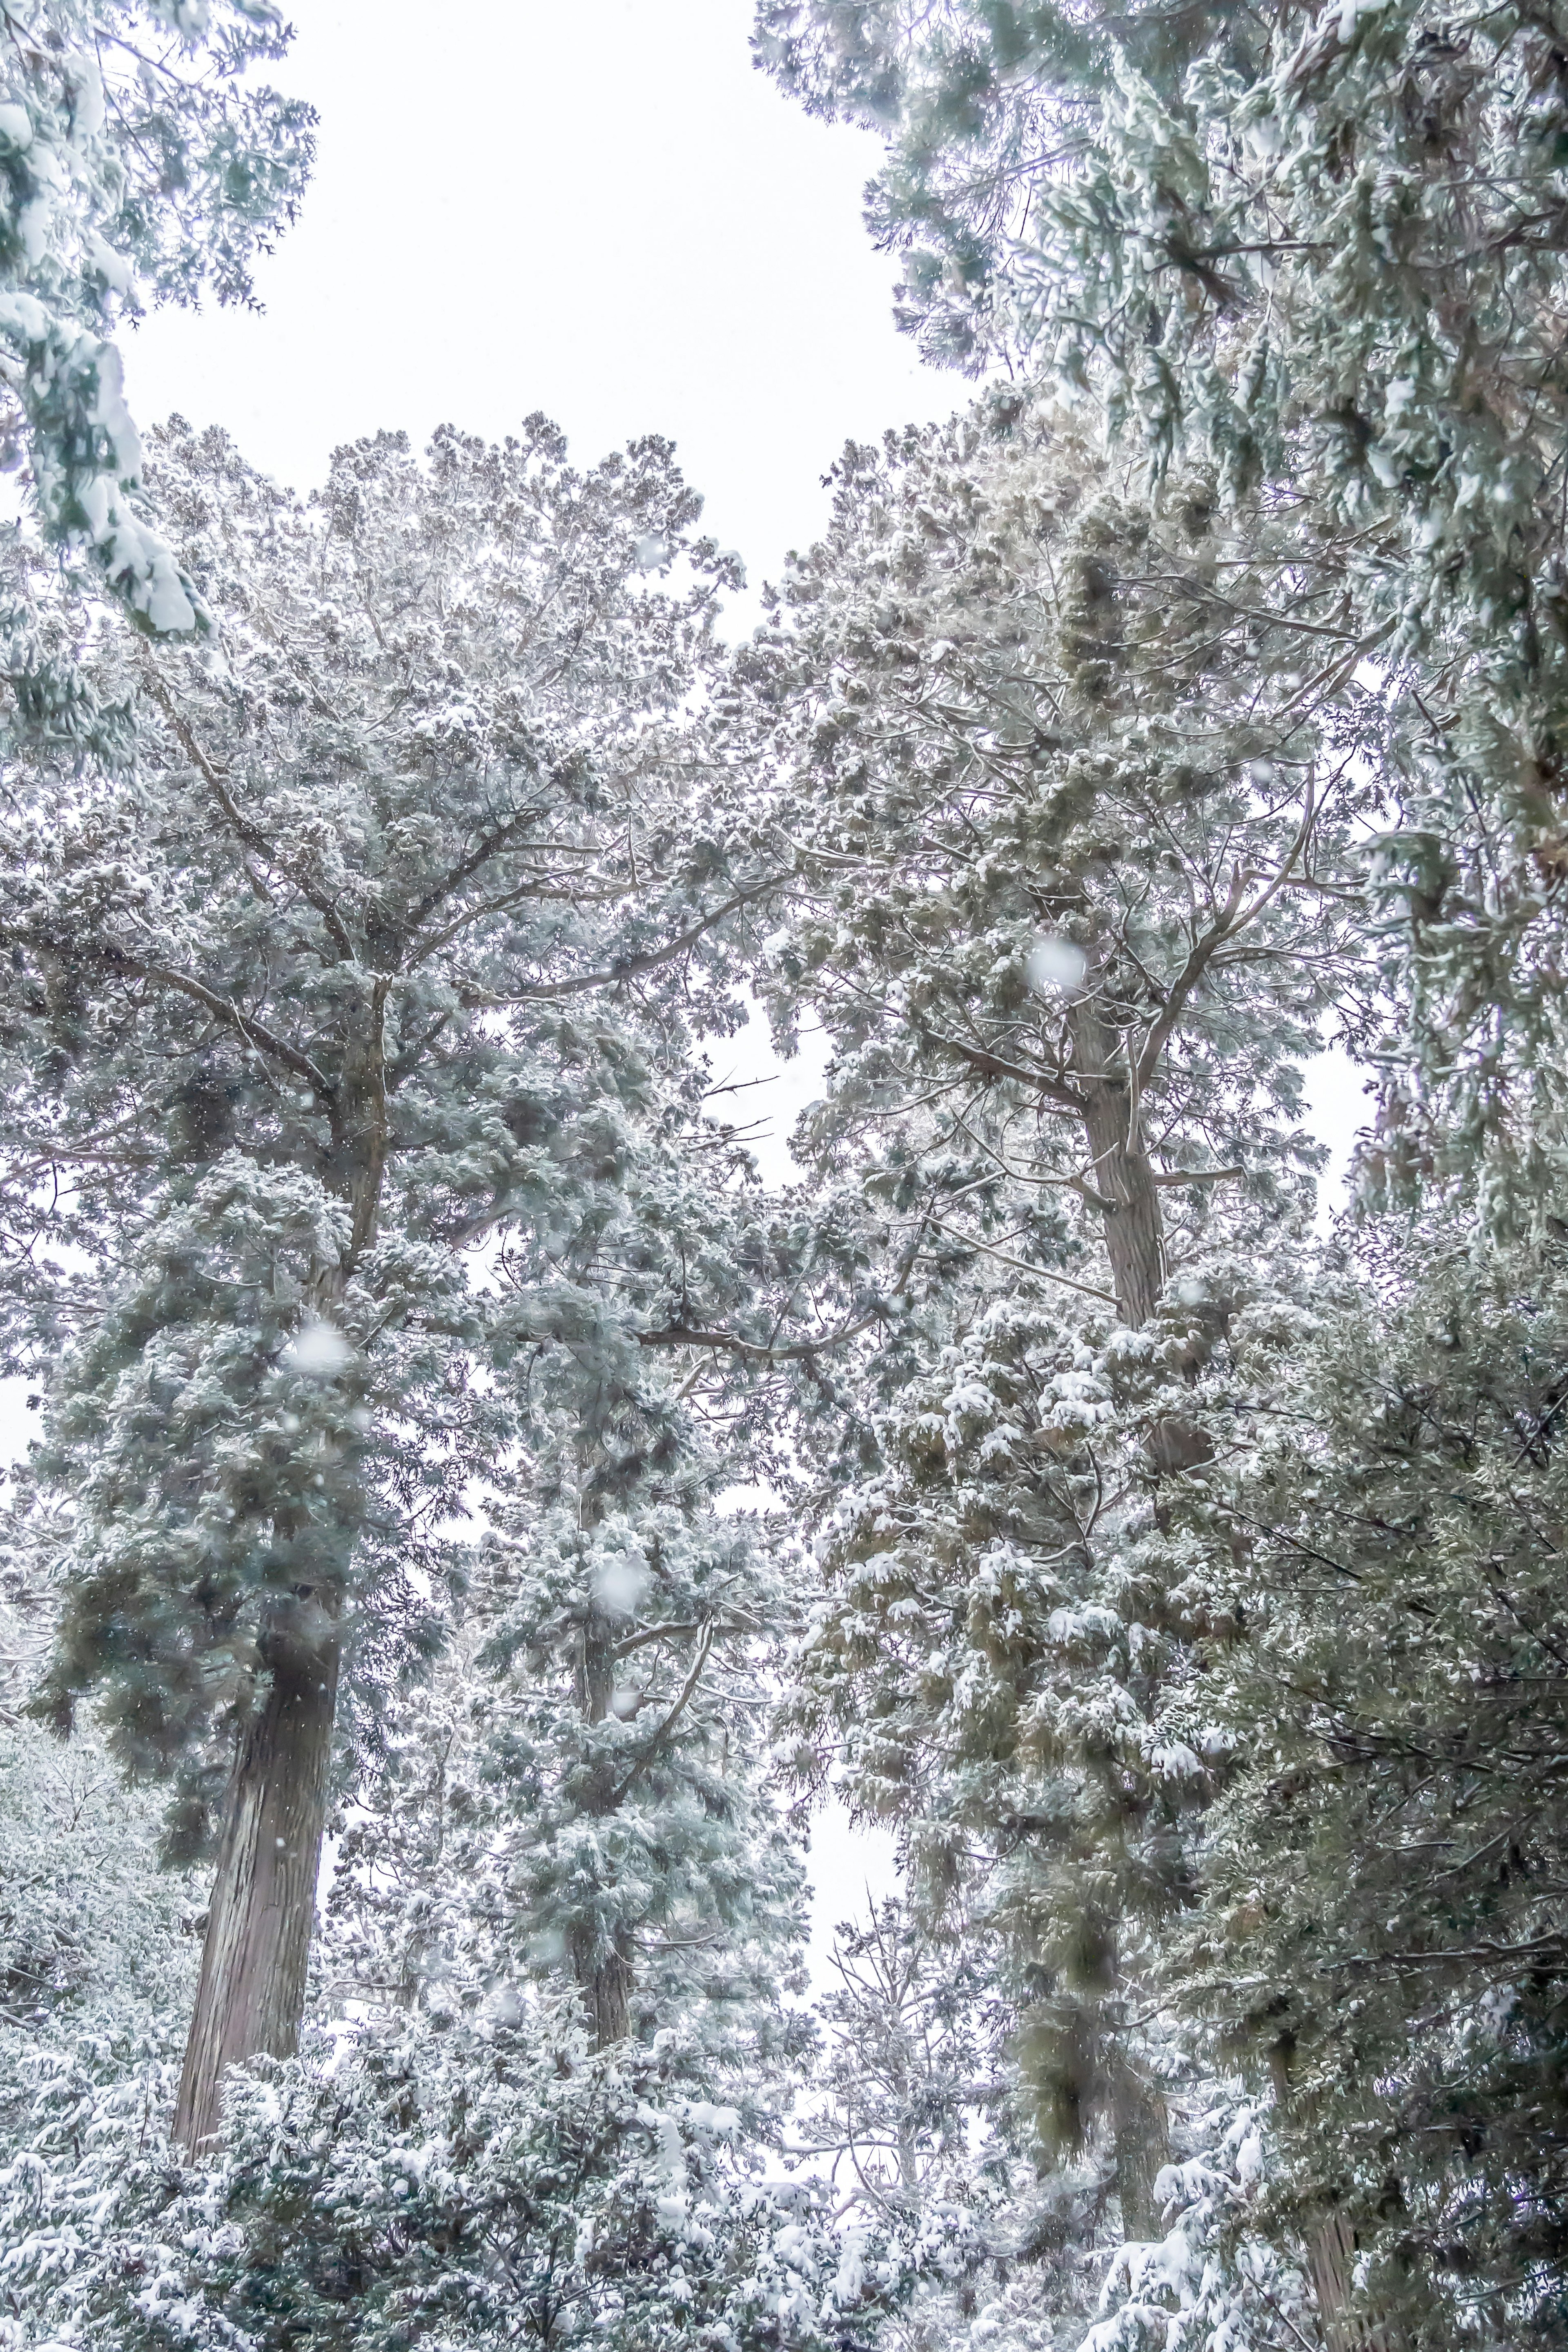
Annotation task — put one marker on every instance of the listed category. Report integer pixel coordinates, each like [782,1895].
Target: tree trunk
[1134,1226]
[1331,2247]
[1123,1180]
[607,1988]
[1142,2152]
[606,1982]
[1330,2260]
[251,1994]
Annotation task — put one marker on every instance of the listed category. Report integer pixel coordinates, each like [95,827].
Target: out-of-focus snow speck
[620,1584]
[316,1347]
[1055,967]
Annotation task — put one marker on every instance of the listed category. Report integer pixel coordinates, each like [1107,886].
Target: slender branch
[681,1335]
[994,1066]
[629,967]
[1197,964]
[251,835]
[671,1721]
[255,1032]
[1045,1273]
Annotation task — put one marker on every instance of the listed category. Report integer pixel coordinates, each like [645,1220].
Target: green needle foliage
[1323,250]
[1381,1938]
[136,167]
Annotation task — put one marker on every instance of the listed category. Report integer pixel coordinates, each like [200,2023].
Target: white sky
[602,212]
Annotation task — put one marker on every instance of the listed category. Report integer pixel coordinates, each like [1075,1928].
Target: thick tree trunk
[607,1988]
[251,1994]
[1332,2250]
[1142,2151]
[1134,1226]
[1330,2260]
[604,1980]
[1121,1176]
[1123,1180]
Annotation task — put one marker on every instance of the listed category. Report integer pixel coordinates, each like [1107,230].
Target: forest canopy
[482,1522]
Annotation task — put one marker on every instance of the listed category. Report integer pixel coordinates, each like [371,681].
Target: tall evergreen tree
[382,963]
[1324,250]
[135,168]
[1074,838]
[1072,833]
[1381,1938]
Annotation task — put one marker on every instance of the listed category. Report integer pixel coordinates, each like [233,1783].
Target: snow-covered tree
[496,2184]
[1073,836]
[1074,839]
[1382,1937]
[1323,251]
[350,1063]
[907,2119]
[136,167]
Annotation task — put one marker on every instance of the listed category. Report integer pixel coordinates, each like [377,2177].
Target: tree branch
[255,1032]
[629,968]
[251,835]
[671,1721]
[1045,1273]
[994,1066]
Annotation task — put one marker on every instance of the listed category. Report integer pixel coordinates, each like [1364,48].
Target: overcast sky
[600,211]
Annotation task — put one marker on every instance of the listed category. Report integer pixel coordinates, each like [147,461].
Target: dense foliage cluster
[135,167]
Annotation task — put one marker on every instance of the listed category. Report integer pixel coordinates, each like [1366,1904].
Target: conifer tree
[135,168]
[386,955]
[1380,1934]
[1073,842]
[1322,251]
[1071,830]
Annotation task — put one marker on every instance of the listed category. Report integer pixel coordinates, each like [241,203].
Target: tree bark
[1134,1225]
[604,1980]
[1142,2151]
[607,1986]
[1123,1182]
[251,1994]
[1122,1179]
[1331,2261]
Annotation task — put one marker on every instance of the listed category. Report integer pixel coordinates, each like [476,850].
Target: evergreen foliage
[1322,253]
[1381,1930]
[135,167]
[401,810]
[1074,840]
[357,1023]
